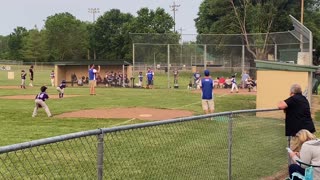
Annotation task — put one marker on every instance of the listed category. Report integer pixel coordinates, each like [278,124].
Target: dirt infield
[129,113]
[220,91]
[53,96]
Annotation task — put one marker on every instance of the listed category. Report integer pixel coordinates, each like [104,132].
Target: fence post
[100,156]
[230,146]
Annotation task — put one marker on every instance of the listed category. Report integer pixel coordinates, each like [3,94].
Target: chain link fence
[225,53]
[230,145]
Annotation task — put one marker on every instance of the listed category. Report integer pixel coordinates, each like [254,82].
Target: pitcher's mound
[137,113]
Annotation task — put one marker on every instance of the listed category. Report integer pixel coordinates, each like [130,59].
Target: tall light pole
[174,8]
[93,11]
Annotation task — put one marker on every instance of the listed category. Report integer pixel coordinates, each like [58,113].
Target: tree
[15,43]
[250,16]
[67,37]
[4,49]
[111,35]
[35,46]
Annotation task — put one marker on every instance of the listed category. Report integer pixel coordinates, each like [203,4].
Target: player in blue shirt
[92,78]
[61,88]
[207,86]
[150,75]
[40,102]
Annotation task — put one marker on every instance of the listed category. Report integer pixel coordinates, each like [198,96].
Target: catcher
[40,102]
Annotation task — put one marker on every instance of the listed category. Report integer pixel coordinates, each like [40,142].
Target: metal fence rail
[228,145]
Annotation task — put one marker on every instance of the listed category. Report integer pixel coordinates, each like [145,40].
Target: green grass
[192,150]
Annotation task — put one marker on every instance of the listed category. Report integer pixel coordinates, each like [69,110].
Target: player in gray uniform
[23,79]
[40,102]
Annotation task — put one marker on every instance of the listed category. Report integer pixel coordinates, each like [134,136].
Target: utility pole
[93,11]
[174,8]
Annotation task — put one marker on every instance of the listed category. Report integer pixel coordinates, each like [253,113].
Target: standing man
[23,79]
[244,77]
[207,93]
[52,78]
[92,78]
[150,76]
[298,115]
[31,75]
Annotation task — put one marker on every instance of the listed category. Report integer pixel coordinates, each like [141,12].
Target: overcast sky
[28,13]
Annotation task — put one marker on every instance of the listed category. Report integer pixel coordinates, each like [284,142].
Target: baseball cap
[206,72]
[43,88]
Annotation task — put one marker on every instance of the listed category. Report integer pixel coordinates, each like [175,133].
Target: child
[23,79]
[234,84]
[52,78]
[40,102]
[61,88]
[140,77]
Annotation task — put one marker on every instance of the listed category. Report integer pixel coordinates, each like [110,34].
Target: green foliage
[67,37]
[34,46]
[15,43]
[111,35]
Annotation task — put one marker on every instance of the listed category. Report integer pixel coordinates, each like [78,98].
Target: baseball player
[52,78]
[40,102]
[61,88]
[23,79]
[234,84]
[31,75]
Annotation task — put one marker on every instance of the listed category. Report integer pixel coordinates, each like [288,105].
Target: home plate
[145,115]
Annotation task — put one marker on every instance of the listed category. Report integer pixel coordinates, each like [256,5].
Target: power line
[174,8]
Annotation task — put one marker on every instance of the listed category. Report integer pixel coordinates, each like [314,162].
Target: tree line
[64,37]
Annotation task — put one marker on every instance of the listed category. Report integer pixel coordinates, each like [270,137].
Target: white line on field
[124,122]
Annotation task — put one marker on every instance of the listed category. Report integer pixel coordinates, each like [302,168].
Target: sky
[28,13]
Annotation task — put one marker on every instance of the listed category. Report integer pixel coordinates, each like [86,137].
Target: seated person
[227,83]
[99,79]
[216,82]
[221,82]
[309,152]
[251,84]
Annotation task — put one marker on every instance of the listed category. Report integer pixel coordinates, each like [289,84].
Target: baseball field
[78,111]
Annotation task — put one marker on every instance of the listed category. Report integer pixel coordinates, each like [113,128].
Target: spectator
[140,79]
[297,114]
[92,79]
[221,82]
[308,152]
[244,77]
[207,93]
[227,83]
[31,75]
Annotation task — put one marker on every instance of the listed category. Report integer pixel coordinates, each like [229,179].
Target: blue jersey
[207,87]
[62,85]
[43,96]
[150,75]
[92,74]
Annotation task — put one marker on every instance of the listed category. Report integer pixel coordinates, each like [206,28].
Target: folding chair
[308,175]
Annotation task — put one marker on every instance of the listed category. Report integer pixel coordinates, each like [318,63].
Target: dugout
[65,70]
[274,80]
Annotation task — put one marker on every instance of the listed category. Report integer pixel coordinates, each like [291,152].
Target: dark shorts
[150,82]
